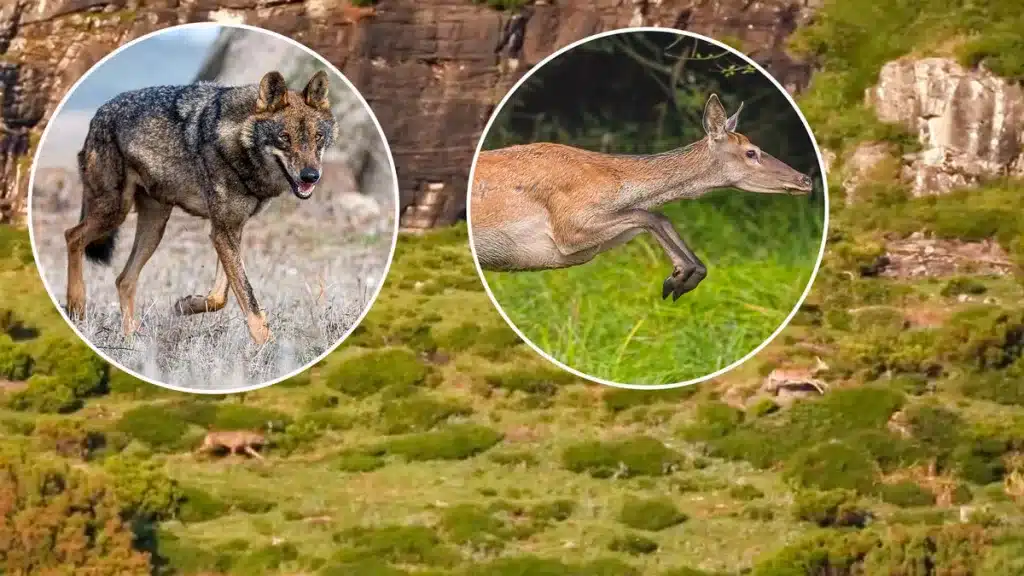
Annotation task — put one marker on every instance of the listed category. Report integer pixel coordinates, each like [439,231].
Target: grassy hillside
[434,443]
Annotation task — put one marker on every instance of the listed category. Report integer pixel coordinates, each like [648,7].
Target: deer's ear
[273,89]
[730,124]
[315,93]
[714,118]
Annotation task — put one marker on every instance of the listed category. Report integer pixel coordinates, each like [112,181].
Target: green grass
[607,319]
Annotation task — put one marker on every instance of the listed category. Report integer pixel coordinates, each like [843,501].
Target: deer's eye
[752,154]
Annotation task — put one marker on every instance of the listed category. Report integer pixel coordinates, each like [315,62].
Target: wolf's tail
[100,250]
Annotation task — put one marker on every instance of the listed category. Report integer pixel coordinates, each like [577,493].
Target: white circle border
[469,209]
[329,66]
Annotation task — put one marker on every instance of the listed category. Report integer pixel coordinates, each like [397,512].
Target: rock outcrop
[427,67]
[970,122]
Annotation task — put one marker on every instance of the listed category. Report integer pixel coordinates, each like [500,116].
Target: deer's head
[744,165]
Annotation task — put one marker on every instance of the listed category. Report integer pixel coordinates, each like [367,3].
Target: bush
[417,414]
[475,527]
[71,438]
[371,372]
[633,544]
[745,492]
[833,465]
[651,514]
[45,504]
[73,364]
[713,420]
[243,417]
[46,395]
[935,427]
[143,489]
[454,442]
[906,494]
[833,508]
[265,560]
[542,380]
[15,361]
[154,425]
[986,337]
[197,505]
[963,285]
[763,407]
[358,461]
[620,399]
[417,545]
[636,456]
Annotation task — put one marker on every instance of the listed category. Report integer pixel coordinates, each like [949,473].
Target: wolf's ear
[315,93]
[273,89]
[715,119]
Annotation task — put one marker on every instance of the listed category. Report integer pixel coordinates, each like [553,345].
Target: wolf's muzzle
[309,175]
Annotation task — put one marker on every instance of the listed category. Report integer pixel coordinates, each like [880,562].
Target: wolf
[234,441]
[217,152]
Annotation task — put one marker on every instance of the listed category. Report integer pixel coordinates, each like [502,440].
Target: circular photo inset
[213,208]
[647,208]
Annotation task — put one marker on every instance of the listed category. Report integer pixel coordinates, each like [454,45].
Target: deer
[545,206]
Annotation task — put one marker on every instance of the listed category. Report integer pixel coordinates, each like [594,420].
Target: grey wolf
[217,152]
[546,206]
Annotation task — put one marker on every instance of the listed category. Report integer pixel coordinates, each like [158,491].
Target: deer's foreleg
[605,233]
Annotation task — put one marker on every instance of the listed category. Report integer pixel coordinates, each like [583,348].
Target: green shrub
[58,520]
[46,395]
[633,544]
[713,420]
[417,545]
[417,414]
[368,567]
[745,492]
[757,513]
[906,494]
[73,364]
[980,460]
[15,361]
[197,505]
[832,508]
[322,401]
[963,285]
[373,371]
[935,427]
[475,527]
[821,552]
[358,461]
[833,465]
[620,399]
[265,560]
[635,456]
[243,417]
[143,489]
[542,380]
[154,425]
[71,437]
[514,458]
[454,442]
[651,514]
[555,510]
[984,336]
[186,558]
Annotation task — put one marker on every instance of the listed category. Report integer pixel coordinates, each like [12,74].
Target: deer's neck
[653,180]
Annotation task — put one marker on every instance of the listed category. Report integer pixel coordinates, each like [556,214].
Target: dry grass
[314,266]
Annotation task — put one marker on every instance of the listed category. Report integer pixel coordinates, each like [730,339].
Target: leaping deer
[545,206]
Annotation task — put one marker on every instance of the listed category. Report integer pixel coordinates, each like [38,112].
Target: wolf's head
[292,129]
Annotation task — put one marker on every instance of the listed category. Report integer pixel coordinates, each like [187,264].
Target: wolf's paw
[129,326]
[258,329]
[682,280]
[189,305]
[75,311]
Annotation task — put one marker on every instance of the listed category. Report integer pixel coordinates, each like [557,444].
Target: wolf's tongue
[305,188]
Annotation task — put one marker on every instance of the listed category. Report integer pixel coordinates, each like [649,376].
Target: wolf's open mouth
[301,190]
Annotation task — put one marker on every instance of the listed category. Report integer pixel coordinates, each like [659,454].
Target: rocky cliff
[428,67]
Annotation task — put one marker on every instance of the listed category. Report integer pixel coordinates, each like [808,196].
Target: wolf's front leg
[215,300]
[228,241]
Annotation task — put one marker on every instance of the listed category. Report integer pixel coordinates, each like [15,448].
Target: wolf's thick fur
[219,153]
[233,441]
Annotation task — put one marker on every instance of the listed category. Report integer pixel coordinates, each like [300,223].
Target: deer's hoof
[681,281]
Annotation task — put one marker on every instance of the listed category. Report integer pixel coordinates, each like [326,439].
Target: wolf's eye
[752,154]
[319,137]
[283,140]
